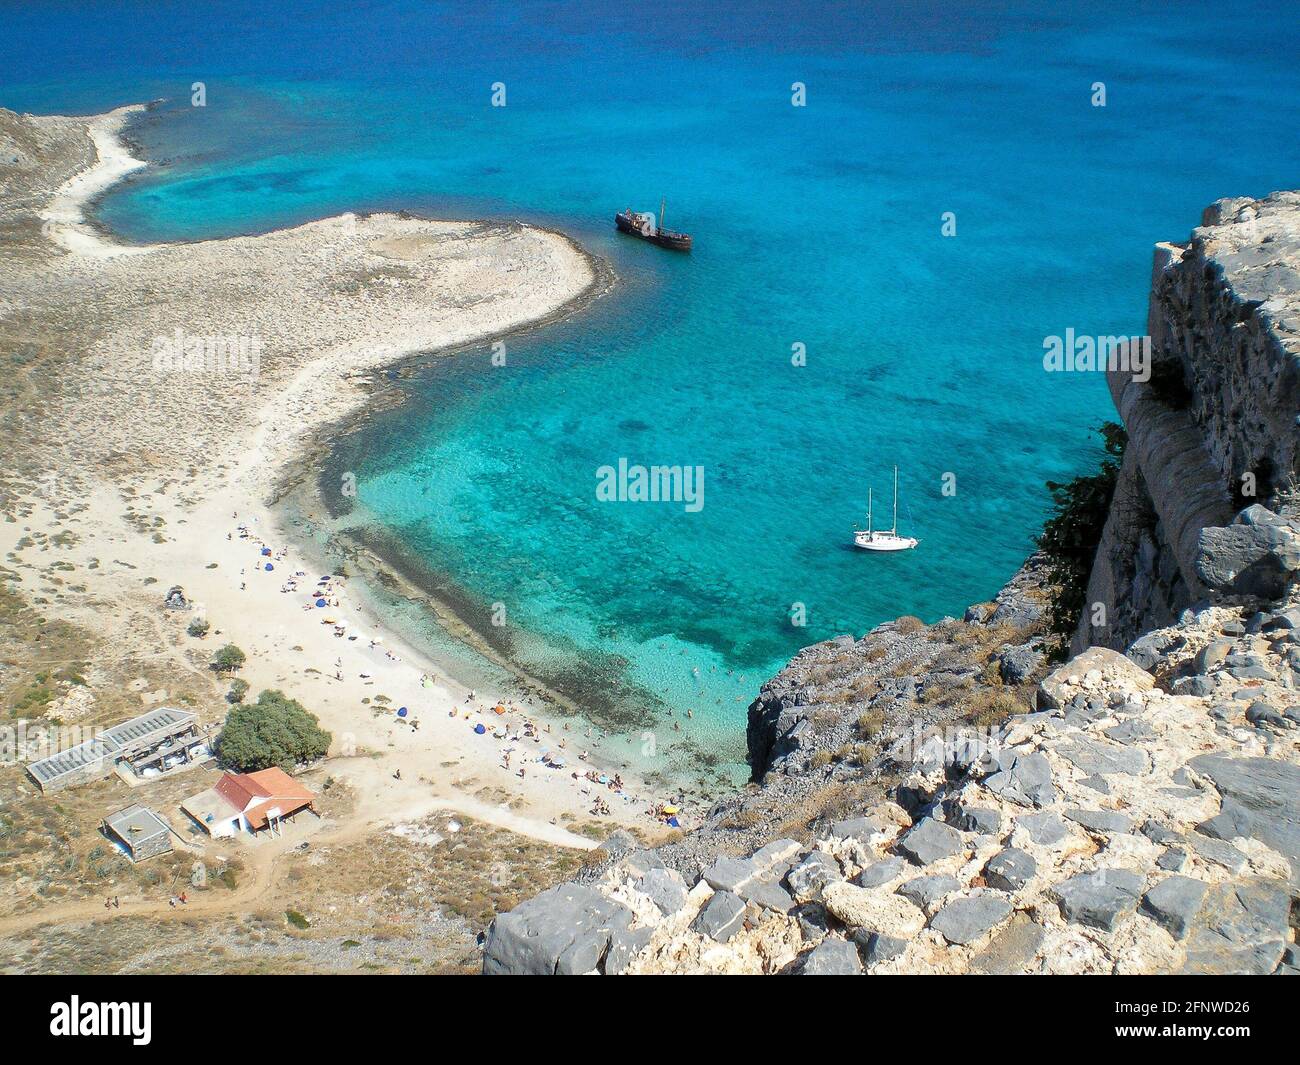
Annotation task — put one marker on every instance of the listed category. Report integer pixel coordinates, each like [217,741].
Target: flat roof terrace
[128,737]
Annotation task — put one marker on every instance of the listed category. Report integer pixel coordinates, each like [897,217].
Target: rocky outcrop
[925,800]
[1214,429]
[1125,827]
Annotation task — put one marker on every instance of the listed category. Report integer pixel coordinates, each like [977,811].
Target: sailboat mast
[894,530]
[868,510]
[662,201]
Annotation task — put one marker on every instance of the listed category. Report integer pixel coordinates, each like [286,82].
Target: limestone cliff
[1215,428]
[926,800]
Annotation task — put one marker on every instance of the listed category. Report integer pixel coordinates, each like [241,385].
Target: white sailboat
[878,540]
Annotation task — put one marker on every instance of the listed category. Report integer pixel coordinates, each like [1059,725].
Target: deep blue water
[818,225]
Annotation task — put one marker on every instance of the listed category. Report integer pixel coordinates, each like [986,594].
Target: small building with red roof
[248,802]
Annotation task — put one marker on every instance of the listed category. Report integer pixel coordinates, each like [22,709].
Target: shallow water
[817,225]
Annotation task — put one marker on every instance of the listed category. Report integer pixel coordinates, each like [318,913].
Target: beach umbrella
[269,567]
[321,602]
[401,711]
[266,550]
[479,729]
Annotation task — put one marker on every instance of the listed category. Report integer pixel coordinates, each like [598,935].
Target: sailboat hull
[876,541]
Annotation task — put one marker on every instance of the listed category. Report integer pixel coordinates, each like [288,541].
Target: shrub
[908,624]
[1071,535]
[274,731]
[199,627]
[238,689]
[228,659]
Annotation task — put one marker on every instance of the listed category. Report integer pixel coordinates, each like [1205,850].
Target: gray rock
[1097,758]
[924,890]
[1247,559]
[1017,664]
[1024,779]
[1010,869]
[624,946]
[1174,902]
[730,874]
[1097,784]
[859,828]
[1099,899]
[1270,790]
[1131,731]
[1147,651]
[1259,713]
[1011,950]
[810,875]
[881,872]
[879,947]
[1218,852]
[980,819]
[812,920]
[832,957]
[1044,829]
[1173,860]
[1232,820]
[1158,833]
[928,841]
[721,917]
[1212,655]
[772,854]
[1106,821]
[965,920]
[1242,929]
[768,894]
[565,930]
[665,887]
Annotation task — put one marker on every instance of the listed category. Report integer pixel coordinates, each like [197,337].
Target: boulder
[928,841]
[832,957]
[873,910]
[1099,899]
[1098,758]
[1174,902]
[1257,555]
[1044,828]
[1241,929]
[624,946]
[878,947]
[721,917]
[1017,664]
[926,890]
[1269,790]
[565,930]
[1010,869]
[806,879]
[881,872]
[1058,687]
[1106,822]
[966,920]
[1024,779]
[665,887]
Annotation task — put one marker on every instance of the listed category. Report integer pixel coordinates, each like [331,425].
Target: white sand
[139,449]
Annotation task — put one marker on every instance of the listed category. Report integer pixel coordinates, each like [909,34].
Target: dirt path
[261,876]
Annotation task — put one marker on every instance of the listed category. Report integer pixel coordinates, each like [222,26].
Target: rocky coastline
[938,799]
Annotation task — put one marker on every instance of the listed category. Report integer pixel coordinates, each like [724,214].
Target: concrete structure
[161,735]
[248,802]
[139,831]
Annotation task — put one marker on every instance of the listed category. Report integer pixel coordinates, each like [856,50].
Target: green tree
[275,730]
[228,659]
[1071,535]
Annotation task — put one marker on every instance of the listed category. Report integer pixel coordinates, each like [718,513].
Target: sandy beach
[164,391]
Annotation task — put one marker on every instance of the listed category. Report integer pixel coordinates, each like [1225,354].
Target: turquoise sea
[818,225]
